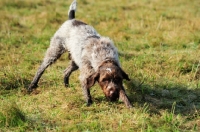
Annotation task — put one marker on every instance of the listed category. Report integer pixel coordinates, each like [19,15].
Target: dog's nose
[111,92]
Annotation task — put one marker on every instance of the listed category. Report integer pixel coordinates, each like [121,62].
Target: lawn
[159,47]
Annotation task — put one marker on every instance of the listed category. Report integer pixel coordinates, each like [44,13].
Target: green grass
[158,43]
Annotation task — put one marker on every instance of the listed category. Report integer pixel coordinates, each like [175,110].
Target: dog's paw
[66,85]
[66,81]
[129,106]
[89,102]
[31,88]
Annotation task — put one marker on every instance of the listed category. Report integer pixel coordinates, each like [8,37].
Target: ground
[158,43]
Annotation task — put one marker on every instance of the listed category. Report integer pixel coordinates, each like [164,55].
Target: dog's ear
[92,79]
[125,76]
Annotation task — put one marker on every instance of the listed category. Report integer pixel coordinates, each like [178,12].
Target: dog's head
[109,77]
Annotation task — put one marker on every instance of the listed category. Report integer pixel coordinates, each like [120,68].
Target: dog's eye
[106,79]
[117,80]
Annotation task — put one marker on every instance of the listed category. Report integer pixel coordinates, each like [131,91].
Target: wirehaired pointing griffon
[95,56]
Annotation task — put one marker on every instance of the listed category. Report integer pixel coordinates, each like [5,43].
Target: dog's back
[77,36]
[73,34]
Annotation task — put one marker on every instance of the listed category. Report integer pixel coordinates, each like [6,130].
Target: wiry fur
[72,7]
[89,52]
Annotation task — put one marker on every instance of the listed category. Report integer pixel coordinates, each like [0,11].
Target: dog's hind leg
[53,53]
[72,67]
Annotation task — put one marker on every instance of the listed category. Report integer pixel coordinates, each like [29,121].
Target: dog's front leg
[86,93]
[86,71]
[124,98]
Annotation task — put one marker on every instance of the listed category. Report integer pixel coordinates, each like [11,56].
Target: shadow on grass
[14,84]
[11,84]
[162,97]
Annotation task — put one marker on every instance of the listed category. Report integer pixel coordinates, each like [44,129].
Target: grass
[158,43]
[11,115]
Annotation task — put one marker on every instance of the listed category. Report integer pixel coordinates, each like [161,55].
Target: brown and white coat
[95,56]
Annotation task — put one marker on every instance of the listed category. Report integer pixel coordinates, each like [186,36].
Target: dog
[95,56]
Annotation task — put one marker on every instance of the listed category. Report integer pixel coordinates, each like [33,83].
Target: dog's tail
[72,10]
